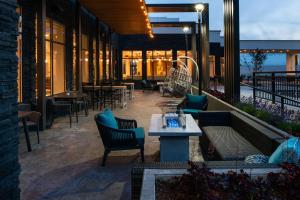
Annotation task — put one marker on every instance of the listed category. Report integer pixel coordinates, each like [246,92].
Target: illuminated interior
[19,55]
[55,57]
[158,64]
[132,65]
[85,59]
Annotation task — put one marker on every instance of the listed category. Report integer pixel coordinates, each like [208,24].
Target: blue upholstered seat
[193,104]
[288,151]
[193,112]
[107,118]
[119,134]
[140,135]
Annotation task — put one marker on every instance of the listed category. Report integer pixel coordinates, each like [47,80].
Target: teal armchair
[119,134]
[193,104]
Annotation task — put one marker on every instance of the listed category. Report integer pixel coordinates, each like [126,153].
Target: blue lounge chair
[193,104]
[119,134]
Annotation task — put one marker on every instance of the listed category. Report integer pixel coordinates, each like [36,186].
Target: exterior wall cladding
[9,166]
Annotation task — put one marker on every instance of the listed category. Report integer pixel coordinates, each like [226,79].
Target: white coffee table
[174,142]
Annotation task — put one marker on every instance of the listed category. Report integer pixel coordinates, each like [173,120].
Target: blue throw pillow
[196,101]
[108,119]
[288,151]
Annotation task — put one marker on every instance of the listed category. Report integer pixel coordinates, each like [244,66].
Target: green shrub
[289,127]
[263,115]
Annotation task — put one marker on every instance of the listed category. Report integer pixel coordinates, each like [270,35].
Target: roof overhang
[124,17]
[173,24]
[171,8]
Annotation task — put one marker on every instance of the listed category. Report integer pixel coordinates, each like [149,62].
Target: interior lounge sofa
[232,136]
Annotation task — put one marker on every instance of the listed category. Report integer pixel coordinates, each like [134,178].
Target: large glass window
[85,58]
[107,64]
[94,61]
[19,55]
[55,57]
[188,62]
[101,60]
[158,64]
[132,65]
[74,61]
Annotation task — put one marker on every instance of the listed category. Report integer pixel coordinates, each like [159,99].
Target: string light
[143,7]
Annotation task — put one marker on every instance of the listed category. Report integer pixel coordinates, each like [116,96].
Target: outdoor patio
[67,162]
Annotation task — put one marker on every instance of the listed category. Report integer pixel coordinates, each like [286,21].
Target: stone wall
[9,166]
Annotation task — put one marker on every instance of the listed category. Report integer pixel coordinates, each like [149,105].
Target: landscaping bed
[270,113]
[200,183]
[289,121]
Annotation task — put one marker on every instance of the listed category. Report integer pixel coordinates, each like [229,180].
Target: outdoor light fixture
[186,29]
[144,9]
[199,7]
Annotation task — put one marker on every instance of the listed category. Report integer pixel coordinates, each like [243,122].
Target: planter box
[151,175]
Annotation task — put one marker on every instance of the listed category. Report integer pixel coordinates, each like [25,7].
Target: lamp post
[186,29]
[199,8]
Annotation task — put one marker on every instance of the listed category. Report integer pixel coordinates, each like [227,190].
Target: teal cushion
[193,112]
[140,135]
[195,101]
[288,151]
[108,119]
[256,159]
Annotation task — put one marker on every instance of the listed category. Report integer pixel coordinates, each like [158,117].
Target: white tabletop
[156,127]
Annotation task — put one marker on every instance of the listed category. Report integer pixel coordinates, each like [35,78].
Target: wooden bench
[229,143]
[234,136]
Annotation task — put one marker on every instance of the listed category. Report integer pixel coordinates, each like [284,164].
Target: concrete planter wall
[151,175]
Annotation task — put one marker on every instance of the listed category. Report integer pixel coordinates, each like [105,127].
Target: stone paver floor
[67,162]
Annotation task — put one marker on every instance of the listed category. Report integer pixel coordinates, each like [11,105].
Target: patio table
[73,97]
[93,90]
[22,116]
[131,89]
[174,142]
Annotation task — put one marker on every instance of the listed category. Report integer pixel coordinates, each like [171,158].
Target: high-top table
[123,89]
[174,142]
[131,89]
[73,97]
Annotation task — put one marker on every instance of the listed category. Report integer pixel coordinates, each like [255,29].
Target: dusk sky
[259,19]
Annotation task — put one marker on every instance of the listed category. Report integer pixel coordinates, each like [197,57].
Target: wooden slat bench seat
[229,144]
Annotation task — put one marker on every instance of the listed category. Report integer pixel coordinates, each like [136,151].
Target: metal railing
[275,98]
[285,83]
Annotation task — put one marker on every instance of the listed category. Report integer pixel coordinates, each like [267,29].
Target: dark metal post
[97,53]
[199,55]
[78,46]
[254,90]
[282,106]
[273,87]
[144,69]
[194,51]
[205,47]
[232,50]
[41,55]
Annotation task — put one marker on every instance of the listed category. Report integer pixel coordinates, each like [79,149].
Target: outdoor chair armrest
[204,107]
[34,116]
[182,104]
[126,123]
[117,138]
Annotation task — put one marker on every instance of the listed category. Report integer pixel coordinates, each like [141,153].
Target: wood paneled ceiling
[123,16]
